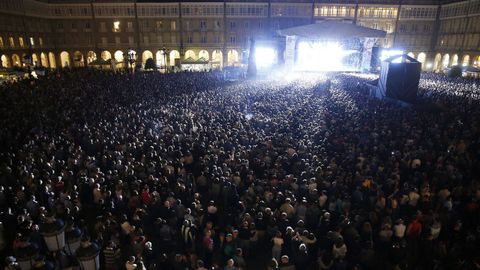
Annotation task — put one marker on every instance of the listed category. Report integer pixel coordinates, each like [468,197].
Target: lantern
[73,236]
[53,232]
[87,255]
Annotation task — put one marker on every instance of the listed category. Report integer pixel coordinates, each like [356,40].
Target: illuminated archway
[91,56]
[437,62]
[43,60]
[161,58]
[445,60]
[411,54]
[51,59]
[106,55]
[78,60]
[422,58]
[217,59]
[190,54]
[5,61]
[476,61]
[35,59]
[174,55]
[16,62]
[232,57]
[204,54]
[118,55]
[466,60]
[454,60]
[145,55]
[64,59]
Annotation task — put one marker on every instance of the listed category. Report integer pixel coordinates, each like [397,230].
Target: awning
[191,61]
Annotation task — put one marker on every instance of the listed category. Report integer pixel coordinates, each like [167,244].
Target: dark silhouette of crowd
[188,171]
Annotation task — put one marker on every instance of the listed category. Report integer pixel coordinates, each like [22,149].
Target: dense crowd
[187,171]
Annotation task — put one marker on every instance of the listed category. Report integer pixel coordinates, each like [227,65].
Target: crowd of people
[188,171]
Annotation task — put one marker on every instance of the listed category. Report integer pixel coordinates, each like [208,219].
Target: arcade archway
[64,59]
[145,55]
[232,57]
[78,60]
[445,60]
[454,60]
[422,58]
[466,60]
[5,61]
[91,56]
[190,54]
[44,60]
[51,60]
[217,59]
[203,54]
[16,62]
[174,54]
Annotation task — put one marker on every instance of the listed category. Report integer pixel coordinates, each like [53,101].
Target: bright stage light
[264,57]
[321,56]
[389,53]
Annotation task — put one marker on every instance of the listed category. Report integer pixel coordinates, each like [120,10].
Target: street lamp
[165,54]
[87,255]
[53,232]
[131,57]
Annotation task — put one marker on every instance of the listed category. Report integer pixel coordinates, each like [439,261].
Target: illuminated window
[388,28]
[32,41]
[40,41]
[324,11]
[11,41]
[1,42]
[173,25]
[20,42]
[116,26]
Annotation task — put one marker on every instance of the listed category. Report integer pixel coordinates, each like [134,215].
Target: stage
[329,46]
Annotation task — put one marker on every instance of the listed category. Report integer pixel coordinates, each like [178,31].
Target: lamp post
[53,232]
[88,255]
[165,54]
[131,57]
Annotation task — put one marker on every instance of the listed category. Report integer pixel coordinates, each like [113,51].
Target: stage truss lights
[321,56]
[389,53]
[265,57]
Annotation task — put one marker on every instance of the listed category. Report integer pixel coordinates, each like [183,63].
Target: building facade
[77,32]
